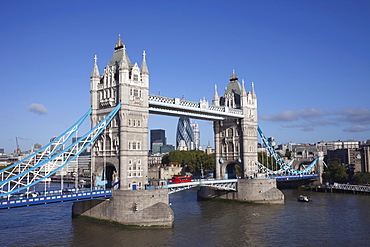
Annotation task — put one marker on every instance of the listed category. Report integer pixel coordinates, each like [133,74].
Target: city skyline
[308,61]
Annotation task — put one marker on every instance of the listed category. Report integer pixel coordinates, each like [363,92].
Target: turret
[144,71]
[94,81]
[216,98]
[123,68]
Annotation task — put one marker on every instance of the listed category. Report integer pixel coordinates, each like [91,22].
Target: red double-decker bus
[180,179]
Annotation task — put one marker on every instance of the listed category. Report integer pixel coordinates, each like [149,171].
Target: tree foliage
[267,161]
[288,154]
[335,173]
[362,178]
[195,160]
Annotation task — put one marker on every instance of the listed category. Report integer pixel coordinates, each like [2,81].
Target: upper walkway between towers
[199,110]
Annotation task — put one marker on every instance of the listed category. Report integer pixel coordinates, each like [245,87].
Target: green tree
[362,178]
[176,156]
[194,160]
[166,159]
[267,161]
[288,154]
[335,173]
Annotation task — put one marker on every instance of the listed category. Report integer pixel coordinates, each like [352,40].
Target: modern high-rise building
[196,132]
[167,148]
[185,133]
[157,139]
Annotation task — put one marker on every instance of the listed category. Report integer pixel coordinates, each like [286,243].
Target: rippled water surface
[329,220]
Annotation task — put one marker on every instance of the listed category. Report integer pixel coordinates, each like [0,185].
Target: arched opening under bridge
[108,176]
[232,171]
[302,164]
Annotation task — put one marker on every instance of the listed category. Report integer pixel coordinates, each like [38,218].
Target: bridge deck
[220,184]
[295,177]
[59,196]
[55,198]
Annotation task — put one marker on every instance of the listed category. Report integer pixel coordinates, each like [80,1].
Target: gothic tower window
[108,143]
[229,132]
[230,148]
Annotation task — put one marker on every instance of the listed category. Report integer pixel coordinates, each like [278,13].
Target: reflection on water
[330,220]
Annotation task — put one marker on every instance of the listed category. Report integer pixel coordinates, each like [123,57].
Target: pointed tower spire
[243,91]
[216,98]
[119,55]
[233,76]
[95,71]
[124,63]
[119,43]
[253,92]
[94,82]
[144,66]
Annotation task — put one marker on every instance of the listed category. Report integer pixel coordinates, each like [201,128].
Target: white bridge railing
[223,184]
[361,188]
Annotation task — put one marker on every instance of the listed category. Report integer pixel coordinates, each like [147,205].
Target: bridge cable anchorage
[52,163]
[284,167]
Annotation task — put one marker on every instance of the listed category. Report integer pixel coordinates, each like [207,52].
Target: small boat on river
[302,198]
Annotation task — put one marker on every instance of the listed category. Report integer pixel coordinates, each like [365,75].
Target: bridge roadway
[220,184]
[55,196]
[60,196]
[295,177]
[228,184]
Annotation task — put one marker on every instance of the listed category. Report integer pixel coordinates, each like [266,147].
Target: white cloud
[357,128]
[288,115]
[355,116]
[37,108]
[308,119]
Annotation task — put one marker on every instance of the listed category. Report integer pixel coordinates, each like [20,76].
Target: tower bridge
[120,108]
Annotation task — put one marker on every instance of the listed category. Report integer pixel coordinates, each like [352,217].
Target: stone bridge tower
[121,152]
[236,140]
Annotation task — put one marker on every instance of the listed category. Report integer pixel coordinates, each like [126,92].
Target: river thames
[329,220]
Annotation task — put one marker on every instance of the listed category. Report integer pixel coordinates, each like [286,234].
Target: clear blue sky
[309,61]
